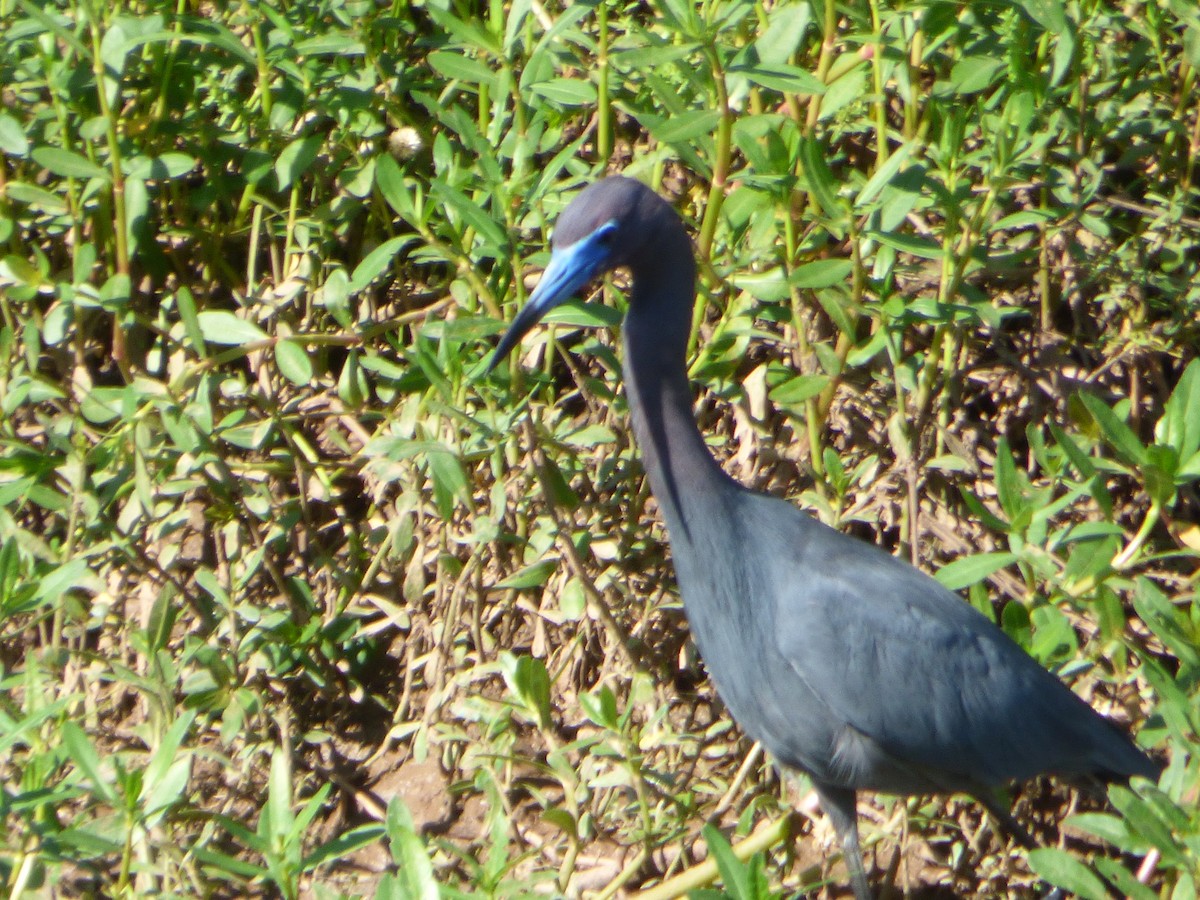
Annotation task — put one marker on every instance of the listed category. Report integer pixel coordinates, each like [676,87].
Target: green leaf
[819,178]
[75,573]
[10,567]
[922,247]
[885,173]
[296,159]
[1158,473]
[219,326]
[822,273]
[768,287]
[102,405]
[377,262]
[1089,559]
[19,272]
[343,845]
[687,126]
[568,92]
[159,168]
[1008,485]
[472,214]
[168,788]
[972,74]
[1191,40]
[12,137]
[733,872]
[572,601]
[449,482]
[786,28]
[167,774]
[223,862]
[1126,882]
[464,330]
[1179,427]
[1014,619]
[1079,459]
[1109,828]
[1118,435]
[85,757]
[601,707]
[1026,218]
[1144,822]
[1169,623]
[969,570]
[278,811]
[116,291]
[534,575]
[850,88]
[68,164]
[1049,14]
[36,197]
[331,44]
[313,806]
[352,384]
[293,362]
[795,391]
[137,211]
[186,304]
[209,32]
[1063,870]
[460,67]
[391,183]
[781,77]
[583,315]
[529,681]
[1053,636]
[414,868]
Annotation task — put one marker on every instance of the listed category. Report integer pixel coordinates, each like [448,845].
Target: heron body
[843,661]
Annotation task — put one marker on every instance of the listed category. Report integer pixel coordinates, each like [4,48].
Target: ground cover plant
[294,600]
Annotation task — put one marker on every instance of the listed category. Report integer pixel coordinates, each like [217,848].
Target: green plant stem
[878,104]
[954,266]
[595,599]
[912,104]
[289,238]
[1045,301]
[263,67]
[765,836]
[824,61]
[631,868]
[813,418]
[604,138]
[716,192]
[1128,556]
[117,174]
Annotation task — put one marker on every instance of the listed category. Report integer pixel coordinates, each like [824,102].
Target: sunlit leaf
[219,326]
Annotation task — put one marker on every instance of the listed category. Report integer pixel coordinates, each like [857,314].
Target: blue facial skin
[570,269]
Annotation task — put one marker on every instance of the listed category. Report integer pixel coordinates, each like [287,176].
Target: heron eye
[606,234]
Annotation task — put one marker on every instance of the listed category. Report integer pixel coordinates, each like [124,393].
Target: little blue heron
[843,661]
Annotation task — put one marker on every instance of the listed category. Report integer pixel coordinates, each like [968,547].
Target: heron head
[603,228]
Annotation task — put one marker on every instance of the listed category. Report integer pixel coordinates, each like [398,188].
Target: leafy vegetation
[294,599]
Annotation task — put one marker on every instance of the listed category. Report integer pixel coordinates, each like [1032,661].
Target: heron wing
[919,677]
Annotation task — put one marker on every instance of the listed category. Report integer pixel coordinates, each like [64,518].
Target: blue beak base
[570,269]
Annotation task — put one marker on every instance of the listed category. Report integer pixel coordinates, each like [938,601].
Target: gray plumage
[845,662]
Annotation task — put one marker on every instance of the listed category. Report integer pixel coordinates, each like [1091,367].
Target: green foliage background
[273,549]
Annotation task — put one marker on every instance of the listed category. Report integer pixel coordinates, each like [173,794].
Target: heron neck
[681,469]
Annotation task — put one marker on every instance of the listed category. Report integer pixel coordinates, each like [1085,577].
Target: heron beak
[570,269]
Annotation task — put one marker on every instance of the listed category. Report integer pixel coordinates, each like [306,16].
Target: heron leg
[839,805]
